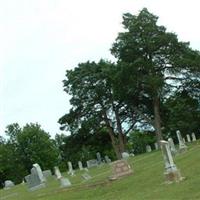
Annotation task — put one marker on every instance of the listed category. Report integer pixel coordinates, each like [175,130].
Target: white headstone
[99,158]
[125,155]
[80,165]
[107,159]
[156,145]
[39,172]
[64,182]
[193,137]
[172,146]
[70,168]
[57,173]
[171,171]
[148,148]
[188,138]
[86,176]
[8,184]
[182,145]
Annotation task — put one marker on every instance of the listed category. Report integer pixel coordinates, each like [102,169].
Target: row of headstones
[181,140]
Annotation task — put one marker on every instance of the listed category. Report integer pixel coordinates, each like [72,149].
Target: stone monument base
[173,176]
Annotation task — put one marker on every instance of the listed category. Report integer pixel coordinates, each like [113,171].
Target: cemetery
[129,129]
[144,176]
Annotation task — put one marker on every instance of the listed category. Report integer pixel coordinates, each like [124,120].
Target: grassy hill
[147,182]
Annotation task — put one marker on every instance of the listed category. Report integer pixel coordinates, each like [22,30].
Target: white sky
[40,39]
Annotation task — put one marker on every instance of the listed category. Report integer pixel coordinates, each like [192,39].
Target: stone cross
[188,138]
[172,146]
[80,165]
[193,137]
[182,145]
[57,172]
[148,148]
[171,171]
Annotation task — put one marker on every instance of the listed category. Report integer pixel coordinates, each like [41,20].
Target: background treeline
[152,90]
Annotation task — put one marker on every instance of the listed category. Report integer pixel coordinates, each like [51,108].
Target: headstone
[156,145]
[125,155]
[8,184]
[57,173]
[120,168]
[80,165]
[184,140]
[70,169]
[34,181]
[99,158]
[171,172]
[188,138]
[107,159]
[148,148]
[86,176]
[193,137]
[39,172]
[172,146]
[92,163]
[182,146]
[47,173]
[64,182]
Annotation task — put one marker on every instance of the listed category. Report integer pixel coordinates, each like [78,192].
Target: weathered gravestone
[47,174]
[92,163]
[107,159]
[172,146]
[64,182]
[156,145]
[86,176]
[35,180]
[57,172]
[188,138]
[182,146]
[148,148]
[125,155]
[80,165]
[39,172]
[193,137]
[8,184]
[70,169]
[171,172]
[120,168]
[99,160]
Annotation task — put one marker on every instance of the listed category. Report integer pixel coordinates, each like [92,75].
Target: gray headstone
[125,155]
[80,165]
[156,145]
[99,158]
[92,163]
[188,138]
[57,172]
[182,145]
[8,184]
[193,137]
[47,173]
[171,171]
[64,182]
[148,148]
[39,172]
[107,159]
[70,169]
[172,146]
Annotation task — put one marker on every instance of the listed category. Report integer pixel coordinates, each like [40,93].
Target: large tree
[93,103]
[152,64]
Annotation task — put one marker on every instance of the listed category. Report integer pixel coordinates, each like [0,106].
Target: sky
[41,39]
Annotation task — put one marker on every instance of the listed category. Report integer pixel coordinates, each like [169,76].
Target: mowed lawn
[147,182]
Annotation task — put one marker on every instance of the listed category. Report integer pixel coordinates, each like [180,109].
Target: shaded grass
[147,182]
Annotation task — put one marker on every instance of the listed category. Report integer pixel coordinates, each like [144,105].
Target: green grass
[147,182]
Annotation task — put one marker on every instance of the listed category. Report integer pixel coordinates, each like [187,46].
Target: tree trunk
[120,133]
[157,119]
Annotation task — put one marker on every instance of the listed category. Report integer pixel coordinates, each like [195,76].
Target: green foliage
[138,141]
